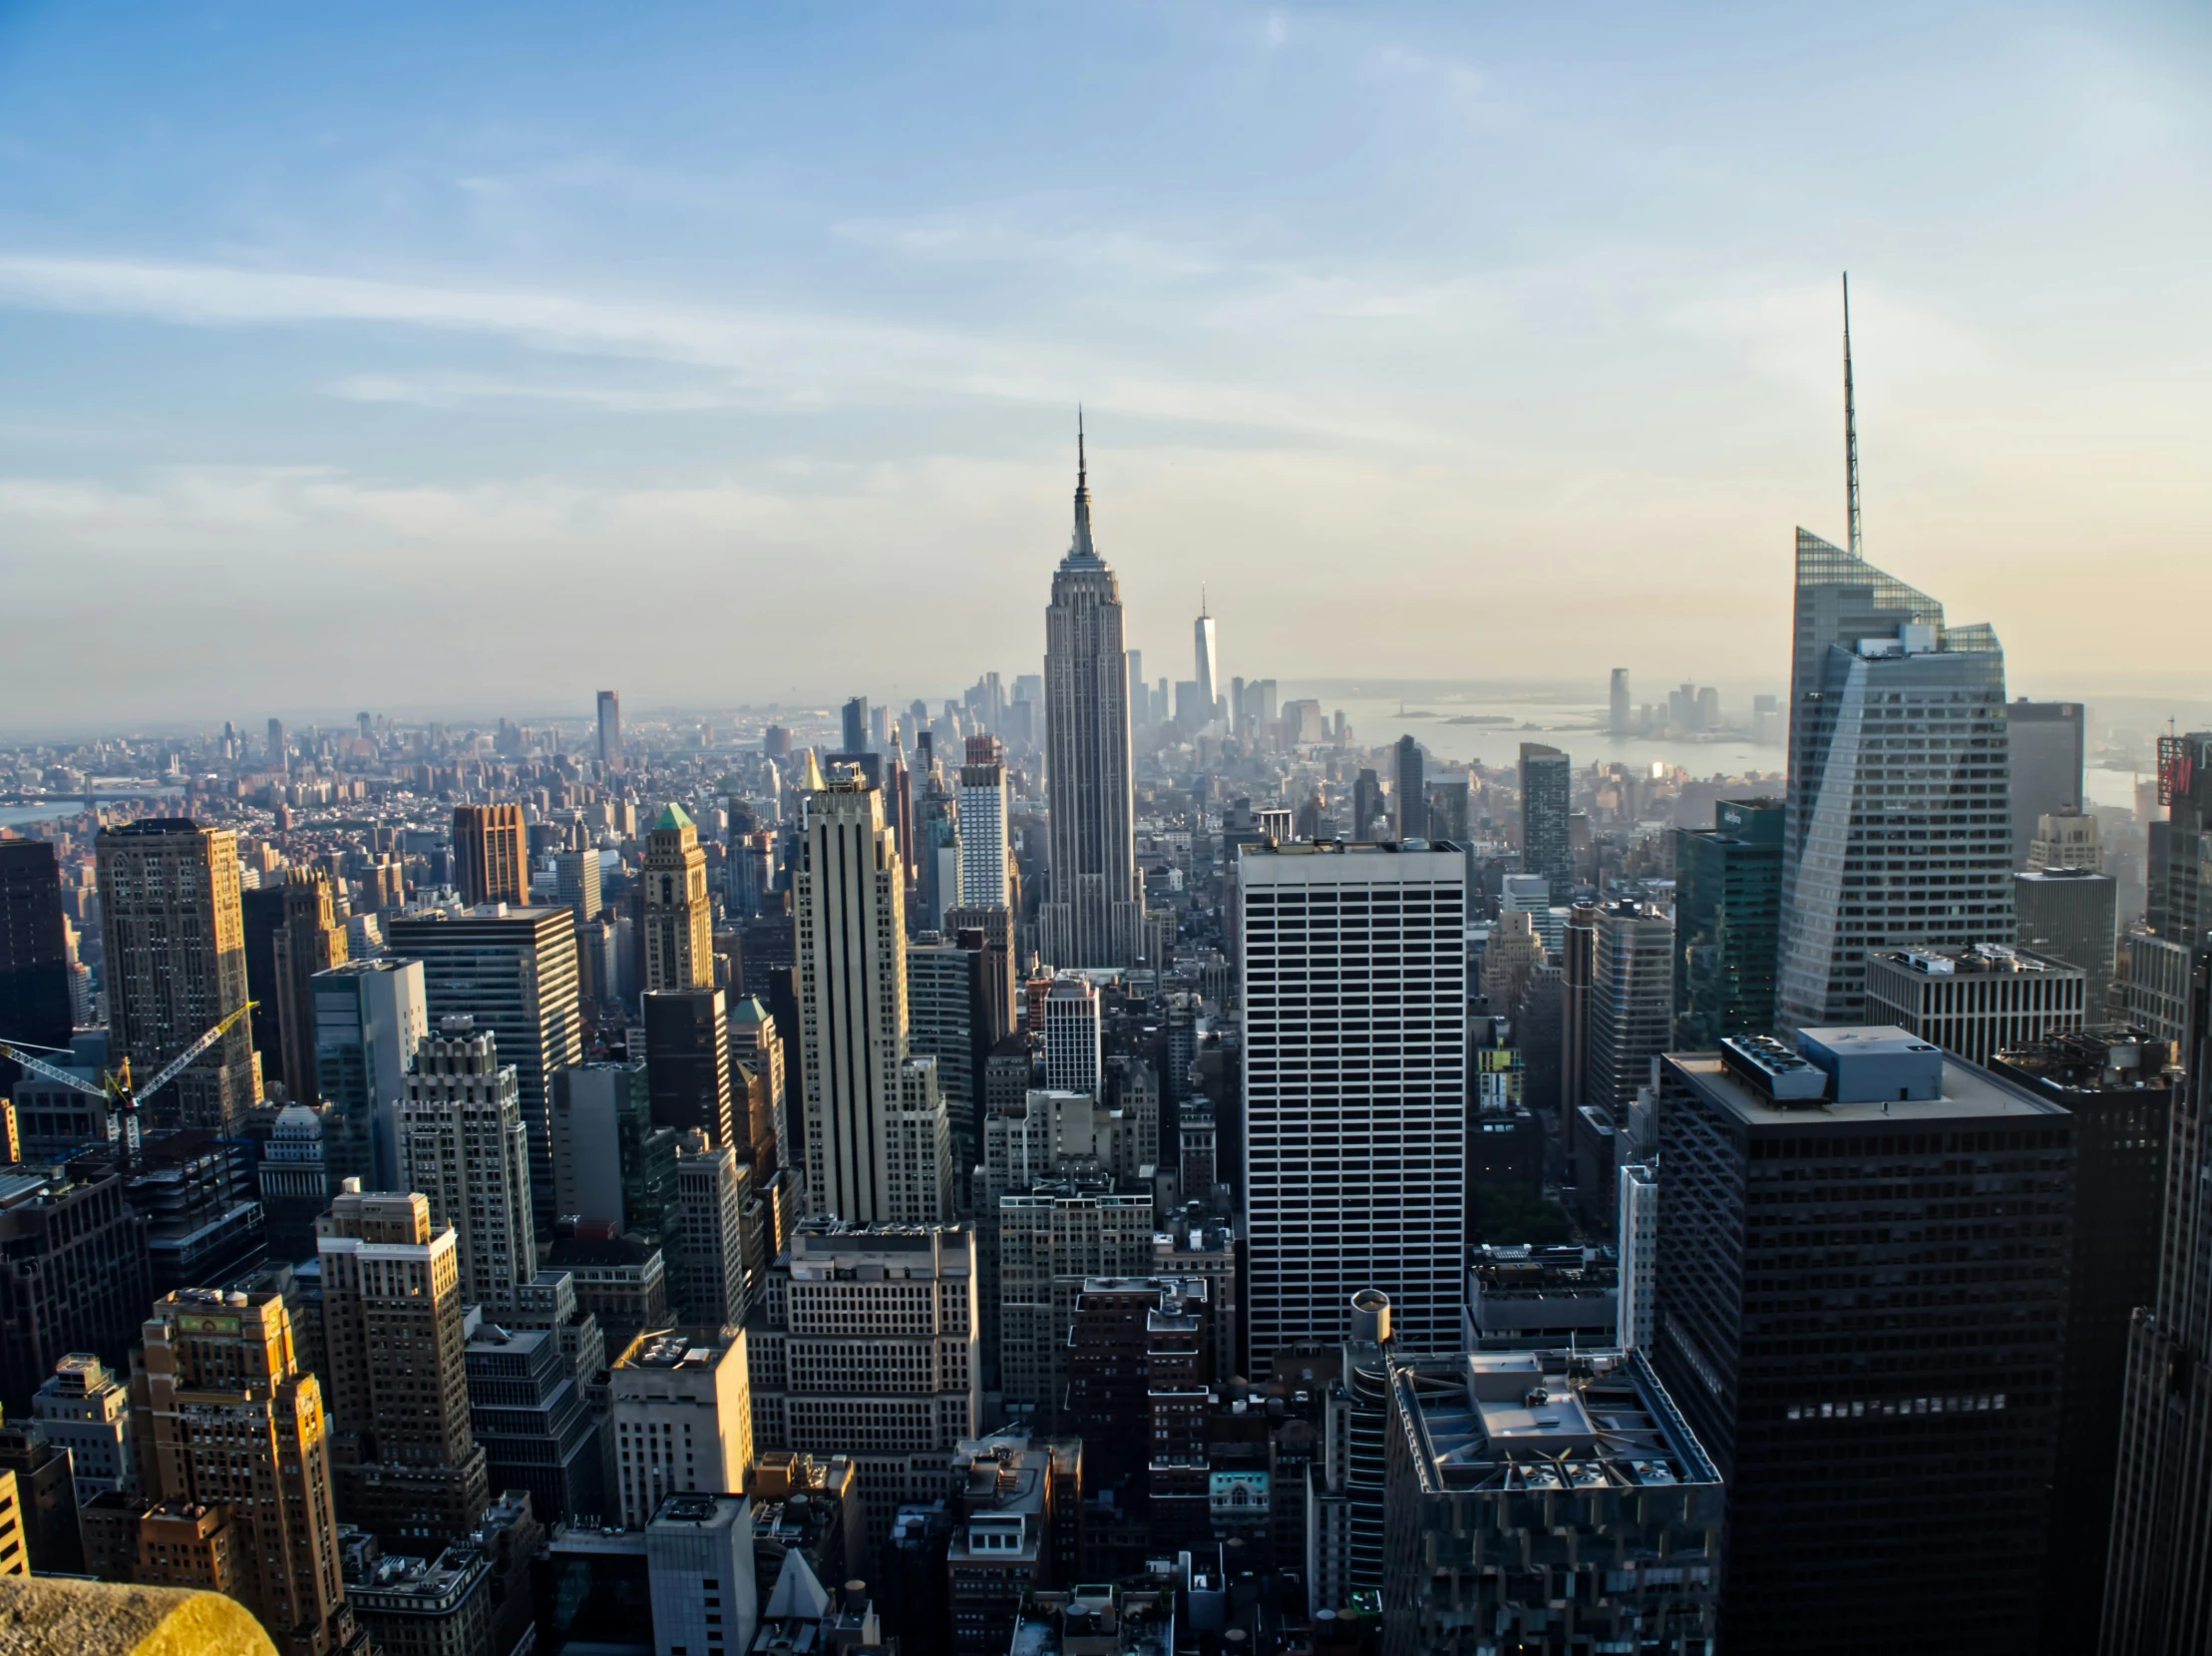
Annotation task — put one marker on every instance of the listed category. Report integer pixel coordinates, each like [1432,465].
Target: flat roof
[1969,1093]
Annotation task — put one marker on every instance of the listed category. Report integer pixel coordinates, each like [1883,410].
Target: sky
[469,360]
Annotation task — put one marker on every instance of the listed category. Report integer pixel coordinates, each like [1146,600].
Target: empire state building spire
[1093,910]
[1082,550]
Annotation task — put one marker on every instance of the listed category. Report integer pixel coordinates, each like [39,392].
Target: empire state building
[1093,914]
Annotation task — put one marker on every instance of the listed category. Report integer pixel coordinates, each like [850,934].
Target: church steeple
[1082,549]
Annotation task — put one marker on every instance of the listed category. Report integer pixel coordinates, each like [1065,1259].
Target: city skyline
[800,351]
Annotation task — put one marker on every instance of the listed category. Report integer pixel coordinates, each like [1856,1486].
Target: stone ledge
[48,1616]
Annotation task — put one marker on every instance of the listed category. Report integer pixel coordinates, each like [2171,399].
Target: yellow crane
[114,1087]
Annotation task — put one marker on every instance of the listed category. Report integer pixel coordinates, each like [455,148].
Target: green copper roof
[673,816]
[748,1011]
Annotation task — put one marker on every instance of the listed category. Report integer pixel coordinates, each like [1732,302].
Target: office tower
[292,1178]
[687,1056]
[679,920]
[2049,742]
[576,882]
[370,1018]
[1138,1364]
[855,725]
[470,1596]
[309,941]
[712,1271]
[700,1567]
[1976,1001]
[1877,855]
[226,1420]
[849,904]
[1409,785]
[1016,1511]
[948,1005]
[1053,1234]
[175,957]
[620,1281]
[531,1422]
[1366,807]
[2158,1592]
[406,1462]
[682,1417]
[884,1369]
[15,1556]
[35,1008]
[85,1408]
[2070,914]
[1844,1476]
[2067,839]
[1618,711]
[1578,979]
[613,1164]
[1459,1500]
[916,1150]
[1728,923]
[992,932]
[1071,1037]
[74,1274]
[610,729]
[516,974]
[1636,1232]
[1546,782]
[463,1147]
[1354,1083]
[47,1498]
[2173,877]
[1095,905]
[1632,1005]
[985,860]
[758,1043]
[2121,1091]
[278,755]
[1208,661]
[490,855]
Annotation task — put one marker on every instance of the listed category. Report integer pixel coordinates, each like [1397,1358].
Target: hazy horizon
[481,360]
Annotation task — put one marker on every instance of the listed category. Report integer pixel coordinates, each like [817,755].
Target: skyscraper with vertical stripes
[1092,913]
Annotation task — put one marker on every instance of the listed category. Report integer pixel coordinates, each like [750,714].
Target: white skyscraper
[463,1146]
[1354,1088]
[1637,1240]
[849,908]
[1208,661]
[982,803]
[1093,914]
[682,1417]
[1071,1037]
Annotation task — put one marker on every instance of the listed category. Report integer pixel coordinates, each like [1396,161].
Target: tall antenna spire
[1202,601]
[1850,425]
[1081,546]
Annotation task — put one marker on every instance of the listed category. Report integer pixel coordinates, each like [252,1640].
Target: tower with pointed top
[1093,915]
[679,925]
[1898,830]
[1209,662]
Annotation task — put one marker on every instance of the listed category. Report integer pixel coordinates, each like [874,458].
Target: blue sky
[476,357]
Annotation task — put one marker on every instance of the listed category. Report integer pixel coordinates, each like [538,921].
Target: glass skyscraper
[1898,828]
[1546,796]
[1727,920]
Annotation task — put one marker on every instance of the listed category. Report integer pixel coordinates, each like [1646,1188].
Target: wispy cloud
[783,357]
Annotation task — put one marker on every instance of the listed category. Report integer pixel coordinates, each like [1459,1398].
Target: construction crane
[115,1085]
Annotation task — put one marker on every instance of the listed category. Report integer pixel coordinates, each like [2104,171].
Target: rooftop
[1545,1421]
[1937,961]
[1965,1091]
